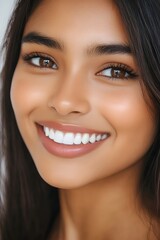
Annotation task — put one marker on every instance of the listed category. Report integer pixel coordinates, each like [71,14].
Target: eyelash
[115,68]
[40,57]
[128,72]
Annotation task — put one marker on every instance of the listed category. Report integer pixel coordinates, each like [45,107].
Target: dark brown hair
[30,206]
[142,21]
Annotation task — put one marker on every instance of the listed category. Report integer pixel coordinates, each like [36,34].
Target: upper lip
[68,127]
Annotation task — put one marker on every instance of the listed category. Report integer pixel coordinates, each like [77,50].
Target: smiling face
[76,94]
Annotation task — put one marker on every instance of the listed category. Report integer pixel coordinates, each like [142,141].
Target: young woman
[80,121]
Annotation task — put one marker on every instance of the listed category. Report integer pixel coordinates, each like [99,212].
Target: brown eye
[43,62]
[118,73]
[113,72]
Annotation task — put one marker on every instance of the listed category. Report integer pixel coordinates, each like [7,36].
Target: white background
[6,7]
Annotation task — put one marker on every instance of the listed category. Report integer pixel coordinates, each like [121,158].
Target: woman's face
[76,94]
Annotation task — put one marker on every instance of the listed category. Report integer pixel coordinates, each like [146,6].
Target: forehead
[92,20]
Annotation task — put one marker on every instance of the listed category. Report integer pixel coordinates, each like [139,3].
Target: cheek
[26,92]
[129,117]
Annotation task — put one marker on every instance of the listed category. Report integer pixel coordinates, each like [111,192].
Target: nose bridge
[71,94]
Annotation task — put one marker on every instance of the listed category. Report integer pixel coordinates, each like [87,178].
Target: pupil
[46,62]
[117,73]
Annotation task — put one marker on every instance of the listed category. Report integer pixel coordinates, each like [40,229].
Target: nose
[70,97]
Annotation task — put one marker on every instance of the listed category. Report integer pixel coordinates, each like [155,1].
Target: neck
[107,209]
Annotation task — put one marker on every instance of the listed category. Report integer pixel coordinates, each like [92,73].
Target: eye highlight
[118,71]
[40,60]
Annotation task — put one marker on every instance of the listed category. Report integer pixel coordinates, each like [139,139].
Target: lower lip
[66,151]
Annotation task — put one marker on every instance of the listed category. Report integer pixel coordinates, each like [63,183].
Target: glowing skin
[76,94]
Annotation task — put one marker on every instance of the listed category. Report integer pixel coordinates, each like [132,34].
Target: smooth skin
[73,85]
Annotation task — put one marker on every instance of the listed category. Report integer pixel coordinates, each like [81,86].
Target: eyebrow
[35,37]
[101,49]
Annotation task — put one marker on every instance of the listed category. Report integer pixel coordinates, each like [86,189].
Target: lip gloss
[66,150]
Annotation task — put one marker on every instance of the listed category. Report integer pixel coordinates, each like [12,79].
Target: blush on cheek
[25,93]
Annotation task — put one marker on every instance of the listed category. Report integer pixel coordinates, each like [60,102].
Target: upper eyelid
[119,65]
[29,56]
[104,66]
[133,73]
[38,54]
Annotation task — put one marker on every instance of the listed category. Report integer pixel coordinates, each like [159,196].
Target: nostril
[67,103]
[75,112]
[54,109]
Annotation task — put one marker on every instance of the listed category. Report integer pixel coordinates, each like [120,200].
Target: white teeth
[85,138]
[58,137]
[92,138]
[71,138]
[68,139]
[104,136]
[46,130]
[77,139]
[98,138]
[51,134]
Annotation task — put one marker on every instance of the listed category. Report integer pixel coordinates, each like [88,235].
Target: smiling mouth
[69,141]
[70,138]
